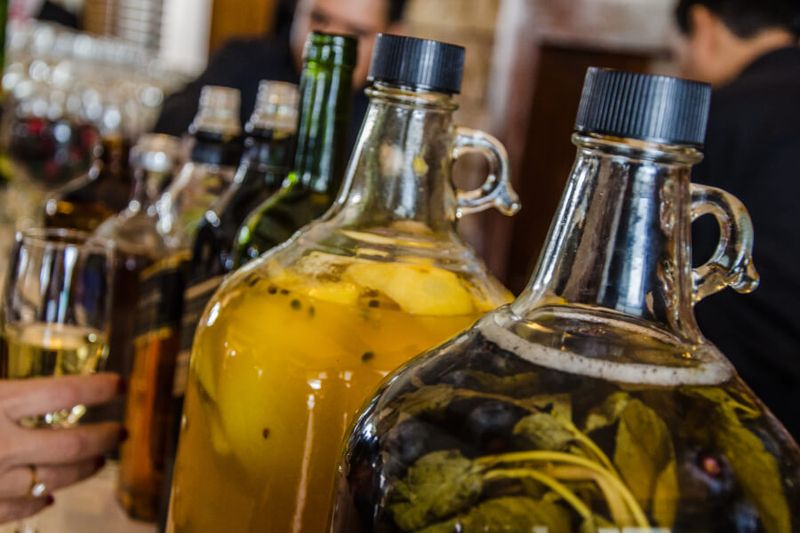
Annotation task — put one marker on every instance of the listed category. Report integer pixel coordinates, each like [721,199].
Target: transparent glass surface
[56,310]
[292,344]
[593,402]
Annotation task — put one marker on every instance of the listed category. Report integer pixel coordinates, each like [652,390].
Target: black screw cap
[642,106]
[417,63]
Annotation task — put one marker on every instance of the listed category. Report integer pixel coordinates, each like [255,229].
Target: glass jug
[593,402]
[292,344]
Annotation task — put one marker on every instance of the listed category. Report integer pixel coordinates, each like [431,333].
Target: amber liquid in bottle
[156,343]
[208,174]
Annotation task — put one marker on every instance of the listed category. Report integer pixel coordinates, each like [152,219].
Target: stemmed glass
[55,313]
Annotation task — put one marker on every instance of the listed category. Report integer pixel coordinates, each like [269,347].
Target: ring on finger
[37,488]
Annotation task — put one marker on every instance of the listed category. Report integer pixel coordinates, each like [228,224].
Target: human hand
[55,458]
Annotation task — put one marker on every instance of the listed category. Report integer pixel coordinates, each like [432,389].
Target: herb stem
[548,456]
[561,489]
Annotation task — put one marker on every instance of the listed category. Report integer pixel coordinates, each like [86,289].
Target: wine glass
[55,313]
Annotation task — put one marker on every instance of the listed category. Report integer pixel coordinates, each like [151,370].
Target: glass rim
[62,238]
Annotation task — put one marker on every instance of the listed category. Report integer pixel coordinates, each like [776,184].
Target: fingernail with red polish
[122,386]
[123,435]
[100,462]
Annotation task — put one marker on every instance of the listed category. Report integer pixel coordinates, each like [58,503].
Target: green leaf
[645,458]
[665,496]
[608,413]
[509,515]
[545,431]
[513,385]
[736,407]
[558,405]
[429,399]
[756,468]
[439,485]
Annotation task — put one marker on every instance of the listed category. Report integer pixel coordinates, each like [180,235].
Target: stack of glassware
[62,89]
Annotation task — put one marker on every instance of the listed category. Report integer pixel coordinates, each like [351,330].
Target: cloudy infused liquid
[302,353]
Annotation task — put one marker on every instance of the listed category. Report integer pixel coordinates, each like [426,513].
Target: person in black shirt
[51,12]
[748,50]
[242,63]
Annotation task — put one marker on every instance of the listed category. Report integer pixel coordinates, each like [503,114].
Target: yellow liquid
[281,364]
[44,350]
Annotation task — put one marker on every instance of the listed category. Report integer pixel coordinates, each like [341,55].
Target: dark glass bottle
[137,247]
[146,323]
[321,156]
[86,202]
[264,166]
[5,165]
[216,149]
[593,402]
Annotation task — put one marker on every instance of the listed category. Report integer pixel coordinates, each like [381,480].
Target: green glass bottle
[6,222]
[321,156]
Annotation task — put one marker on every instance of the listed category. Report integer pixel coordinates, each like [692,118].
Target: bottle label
[195,300]
[155,345]
[160,299]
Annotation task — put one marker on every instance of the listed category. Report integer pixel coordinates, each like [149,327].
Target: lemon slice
[417,289]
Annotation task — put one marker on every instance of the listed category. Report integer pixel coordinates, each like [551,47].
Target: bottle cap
[156,153]
[218,112]
[331,49]
[651,108]
[276,107]
[417,63]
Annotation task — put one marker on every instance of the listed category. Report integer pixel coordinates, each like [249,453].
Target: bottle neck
[401,169]
[621,240]
[267,155]
[323,124]
[216,149]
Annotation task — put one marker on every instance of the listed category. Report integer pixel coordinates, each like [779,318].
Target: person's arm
[54,457]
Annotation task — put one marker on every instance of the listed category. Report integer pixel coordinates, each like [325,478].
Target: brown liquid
[156,341]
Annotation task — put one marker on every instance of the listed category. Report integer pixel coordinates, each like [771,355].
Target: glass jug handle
[732,262]
[497,190]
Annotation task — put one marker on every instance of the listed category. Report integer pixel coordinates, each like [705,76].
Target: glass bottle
[216,149]
[292,343]
[87,201]
[593,402]
[263,168]
[138,246]
[146,323]
[321,156]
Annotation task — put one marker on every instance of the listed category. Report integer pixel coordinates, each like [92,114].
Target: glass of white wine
[55,314]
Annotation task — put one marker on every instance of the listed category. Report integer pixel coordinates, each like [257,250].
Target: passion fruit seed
[296,305]
[367,356]
[272,289]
